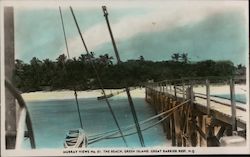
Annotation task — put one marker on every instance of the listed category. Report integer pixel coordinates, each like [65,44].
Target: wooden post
[208,97]
[173,127]
[175,94]
[204,128]
[200,125]
[167,87]
[167,121]
[183,90]
[9,51]
[229,130]
[184,118]
[177,126]
[160,85]
[233,105]
[193,132]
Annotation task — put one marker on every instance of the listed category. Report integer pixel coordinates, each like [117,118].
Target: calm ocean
[52,119]
[238,97]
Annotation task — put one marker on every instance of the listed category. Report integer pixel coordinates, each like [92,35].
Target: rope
[113,132]
[98,78]
[65,38]
[149,119]
[129,134]
[78,109]
[75,92]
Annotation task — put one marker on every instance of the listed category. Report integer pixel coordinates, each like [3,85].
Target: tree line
[78,73]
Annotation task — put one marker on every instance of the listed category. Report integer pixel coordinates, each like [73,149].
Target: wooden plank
[203,127]
[203,135]
[220,116]
[221,132]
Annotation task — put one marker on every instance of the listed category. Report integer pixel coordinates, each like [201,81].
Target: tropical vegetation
[78,73]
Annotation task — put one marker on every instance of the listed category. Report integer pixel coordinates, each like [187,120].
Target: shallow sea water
[52,120]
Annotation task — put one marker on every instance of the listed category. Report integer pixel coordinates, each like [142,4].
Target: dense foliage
[79,73]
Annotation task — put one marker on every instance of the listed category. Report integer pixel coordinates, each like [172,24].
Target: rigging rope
[75,92]
[78,109]
[98,77]
[144,129]
[65,38]
[113,132]
[149,119]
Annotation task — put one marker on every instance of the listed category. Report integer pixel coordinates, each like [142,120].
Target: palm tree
[48,68]
[108,59]
[86,58]
[184,57]
[176,57]
[141,58]
[35,62]
[36,73]
[82,58]
[239,66]
[105,59]
[19,65]
[61,59]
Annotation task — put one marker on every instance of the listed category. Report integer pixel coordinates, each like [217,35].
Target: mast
[104,8]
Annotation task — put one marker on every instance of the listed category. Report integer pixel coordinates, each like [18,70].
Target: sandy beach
[69,94]
[137,93]
[221,89]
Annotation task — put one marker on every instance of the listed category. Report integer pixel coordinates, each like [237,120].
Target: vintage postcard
[164,77]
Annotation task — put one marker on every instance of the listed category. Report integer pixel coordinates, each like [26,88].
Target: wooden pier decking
[203,120]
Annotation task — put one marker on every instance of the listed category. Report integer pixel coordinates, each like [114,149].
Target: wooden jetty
[196,119]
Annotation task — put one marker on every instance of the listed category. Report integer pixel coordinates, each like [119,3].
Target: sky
[214,30]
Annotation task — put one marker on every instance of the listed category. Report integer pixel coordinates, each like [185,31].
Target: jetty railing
[202,121]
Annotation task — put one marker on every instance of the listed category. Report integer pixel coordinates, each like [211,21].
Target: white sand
[69,94]
[221,89]
[137,93]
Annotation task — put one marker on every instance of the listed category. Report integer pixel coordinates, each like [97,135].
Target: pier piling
[191,121]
